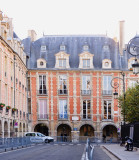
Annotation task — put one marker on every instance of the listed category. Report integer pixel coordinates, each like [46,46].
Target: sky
[73,17]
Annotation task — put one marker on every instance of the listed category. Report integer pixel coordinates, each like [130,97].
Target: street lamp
[133,49]
[115,85]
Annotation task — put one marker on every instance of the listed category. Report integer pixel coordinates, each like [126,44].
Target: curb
[112,153]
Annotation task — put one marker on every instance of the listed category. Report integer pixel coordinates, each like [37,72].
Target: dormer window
[62,60]
[85,48]
[106,63]
[106,48]
[43,48]
[62,63]
[86,60]
[41,63]
[62,47]
[86,63]
[130,62]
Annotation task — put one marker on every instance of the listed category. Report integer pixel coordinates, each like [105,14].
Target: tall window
[6,95]
[62,63]
[42,84]
[12,97]
[63,109]
[11,70]
[62,84]
[5,66]
[86,88]
[107,89]
[86,109]
[42,109]
[86,63]
[107,109]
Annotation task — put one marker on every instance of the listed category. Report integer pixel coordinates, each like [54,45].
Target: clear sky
[58,17]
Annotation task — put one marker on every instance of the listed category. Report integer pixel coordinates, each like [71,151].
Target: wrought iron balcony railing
[107,92]
[42,92]
[62,91]
[85,92]
[63,116]
[107,117]
[43,117]
[86,117]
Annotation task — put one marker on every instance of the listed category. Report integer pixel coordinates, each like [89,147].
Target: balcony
[63,92]
[42,92]
[86,117]
[85,92]
[43,116]
[63,116]
[107,92]
[107,118]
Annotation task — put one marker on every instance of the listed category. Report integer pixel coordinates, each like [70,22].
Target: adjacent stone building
[13,88]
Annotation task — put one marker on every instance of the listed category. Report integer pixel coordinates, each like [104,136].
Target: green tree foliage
[131,104]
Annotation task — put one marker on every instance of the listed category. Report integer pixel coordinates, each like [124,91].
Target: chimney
[32,34]
[121,38]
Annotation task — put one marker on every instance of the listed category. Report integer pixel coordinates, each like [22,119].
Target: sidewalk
[121,153]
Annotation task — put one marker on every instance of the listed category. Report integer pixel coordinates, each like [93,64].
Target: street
[46,152]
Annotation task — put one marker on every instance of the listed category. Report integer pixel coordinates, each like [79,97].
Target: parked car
[37,137]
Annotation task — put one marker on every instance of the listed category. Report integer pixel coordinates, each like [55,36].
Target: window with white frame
[86,109]
[62,63]
[6,94]
[43,48]
[132,83]
[63,109]
[107,89]
[5,66]
[62,84]
[86,63]
[86,88]
[107,109]
[42,84]
[42,111]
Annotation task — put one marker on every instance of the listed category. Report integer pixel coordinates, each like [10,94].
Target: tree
[131,106]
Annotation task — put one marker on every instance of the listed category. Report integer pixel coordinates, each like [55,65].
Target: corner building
[13,89]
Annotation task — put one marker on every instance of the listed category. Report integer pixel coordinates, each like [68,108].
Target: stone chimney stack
[32,34]
[122,37]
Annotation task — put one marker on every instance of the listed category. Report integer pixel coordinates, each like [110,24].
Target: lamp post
[115,85]
[133,49]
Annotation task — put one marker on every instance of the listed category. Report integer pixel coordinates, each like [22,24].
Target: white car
[37,137]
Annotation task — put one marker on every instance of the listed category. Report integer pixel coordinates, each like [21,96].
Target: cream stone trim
[86,55]
[62,55]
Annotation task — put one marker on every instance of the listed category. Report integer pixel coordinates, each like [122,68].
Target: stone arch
[87,130]
[42,128]
[110,132]
[11,129]
[5,129]
[64,132]
[0,129]
[24,128]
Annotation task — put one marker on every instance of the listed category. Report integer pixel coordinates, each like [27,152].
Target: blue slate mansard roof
[74,46]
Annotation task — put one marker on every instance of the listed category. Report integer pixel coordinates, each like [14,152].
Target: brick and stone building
[13,88]
[69,84]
